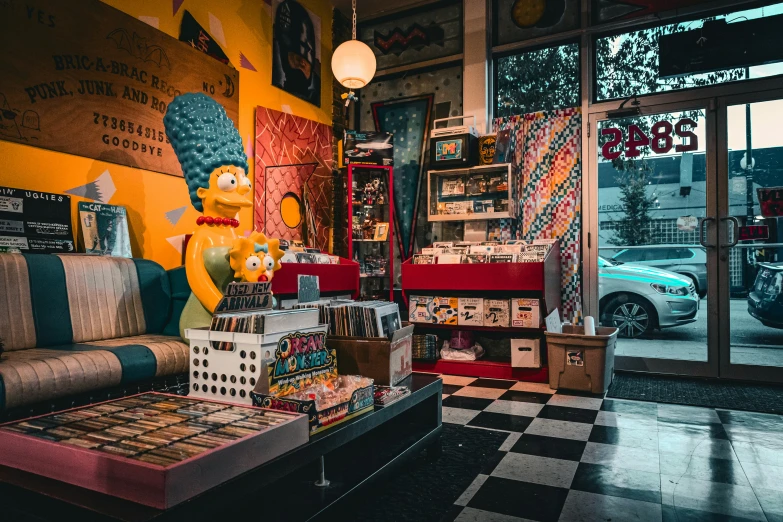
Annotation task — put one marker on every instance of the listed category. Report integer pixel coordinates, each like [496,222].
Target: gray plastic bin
[581,362]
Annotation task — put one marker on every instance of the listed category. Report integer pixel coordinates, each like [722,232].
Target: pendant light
[353,62]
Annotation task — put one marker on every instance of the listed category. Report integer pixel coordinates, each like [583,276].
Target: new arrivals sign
[84,78]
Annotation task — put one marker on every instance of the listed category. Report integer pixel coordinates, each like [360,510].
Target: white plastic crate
[230,376]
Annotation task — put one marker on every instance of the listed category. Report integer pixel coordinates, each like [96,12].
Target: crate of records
[369,338]
[510,251]
[295,252]
[275,359]
[153,448]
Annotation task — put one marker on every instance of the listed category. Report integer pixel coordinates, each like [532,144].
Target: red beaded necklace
[209,220]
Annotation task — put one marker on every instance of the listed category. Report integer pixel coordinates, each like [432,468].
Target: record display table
[356,453]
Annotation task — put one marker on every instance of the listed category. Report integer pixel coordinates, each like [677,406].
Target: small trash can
[581,362]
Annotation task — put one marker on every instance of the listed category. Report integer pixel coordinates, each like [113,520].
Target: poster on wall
[35,222]
[192,33]
[294,182]
[419,34]
[408,120]
[613,10]
[87,79]
[296,51]
[517,20]
[104,229]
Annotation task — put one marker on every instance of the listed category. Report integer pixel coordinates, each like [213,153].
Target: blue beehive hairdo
[204,138]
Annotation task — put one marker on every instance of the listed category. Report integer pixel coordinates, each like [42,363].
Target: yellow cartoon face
[254,258]
[228,192]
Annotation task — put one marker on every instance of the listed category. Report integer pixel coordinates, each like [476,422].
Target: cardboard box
[525,313]
[362,401]
[471,311]
[446,309]
[421,309]
[525,353]
[302,359]
[386,361]
[496,312]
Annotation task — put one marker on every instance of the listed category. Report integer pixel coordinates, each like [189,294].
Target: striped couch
[73,324]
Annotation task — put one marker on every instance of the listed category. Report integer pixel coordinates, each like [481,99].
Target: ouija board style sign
[83,78]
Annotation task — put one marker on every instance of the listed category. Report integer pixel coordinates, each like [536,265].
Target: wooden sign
[83,78]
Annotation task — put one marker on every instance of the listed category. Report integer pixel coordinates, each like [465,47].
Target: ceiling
[371,8]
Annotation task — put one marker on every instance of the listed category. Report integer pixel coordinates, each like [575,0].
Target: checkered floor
[580,457]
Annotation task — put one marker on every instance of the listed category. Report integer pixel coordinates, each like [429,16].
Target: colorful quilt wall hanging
[547,150]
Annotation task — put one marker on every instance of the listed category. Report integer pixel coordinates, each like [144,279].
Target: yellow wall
[247,25]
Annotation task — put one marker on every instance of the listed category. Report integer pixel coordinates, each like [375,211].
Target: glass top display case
[484,192]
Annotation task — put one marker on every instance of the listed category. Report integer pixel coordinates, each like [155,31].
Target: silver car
[637,299]
[684,260]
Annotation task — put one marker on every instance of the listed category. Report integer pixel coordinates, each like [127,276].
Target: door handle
[701,231]
[736,223]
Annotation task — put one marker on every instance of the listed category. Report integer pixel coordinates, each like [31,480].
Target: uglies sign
[83,78]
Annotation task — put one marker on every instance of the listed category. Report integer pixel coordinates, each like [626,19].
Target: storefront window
[539,80]
[627,64]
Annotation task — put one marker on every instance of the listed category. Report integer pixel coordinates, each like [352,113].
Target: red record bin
[489,280]
[342,278]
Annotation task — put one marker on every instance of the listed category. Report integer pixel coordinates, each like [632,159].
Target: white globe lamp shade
[353,64]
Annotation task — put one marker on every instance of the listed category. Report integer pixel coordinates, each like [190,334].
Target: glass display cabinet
[371,229]
[468,194]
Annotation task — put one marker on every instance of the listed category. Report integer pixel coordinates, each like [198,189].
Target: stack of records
[261,322]
[358,318]
[425,347]
[385,395]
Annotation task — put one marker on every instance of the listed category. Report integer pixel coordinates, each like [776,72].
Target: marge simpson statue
[214,164]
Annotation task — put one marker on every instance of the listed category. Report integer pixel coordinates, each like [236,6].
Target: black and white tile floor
[580,457]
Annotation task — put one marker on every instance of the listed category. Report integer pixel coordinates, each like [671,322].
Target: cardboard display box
[525,353]
[299,360]
[421,309]
[386,361]
[525,313]
[496,312]
[362,401]
[368,148]
[471,311]
[446,309]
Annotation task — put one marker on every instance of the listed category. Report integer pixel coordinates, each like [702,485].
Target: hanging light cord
[354,18]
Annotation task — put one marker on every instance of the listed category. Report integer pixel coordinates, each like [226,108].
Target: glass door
[652,236]
[750,166]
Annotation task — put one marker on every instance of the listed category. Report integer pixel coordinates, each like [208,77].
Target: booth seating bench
[77,324]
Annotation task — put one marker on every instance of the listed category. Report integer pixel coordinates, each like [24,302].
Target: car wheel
[631,315]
